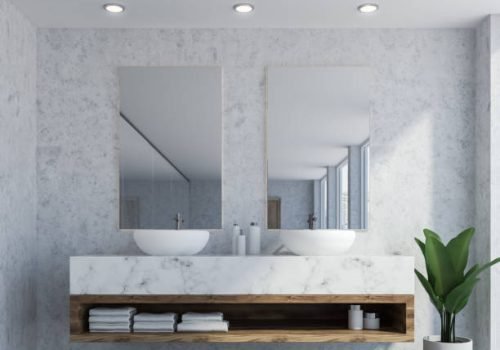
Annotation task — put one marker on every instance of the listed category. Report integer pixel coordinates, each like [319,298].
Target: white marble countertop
[227,275]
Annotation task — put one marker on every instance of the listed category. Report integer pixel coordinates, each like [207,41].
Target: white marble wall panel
[422,172]
[17,179]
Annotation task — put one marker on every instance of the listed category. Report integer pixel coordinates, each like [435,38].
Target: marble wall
[422,123]
[495,180]
[482,181]
[17,179]
[487,143]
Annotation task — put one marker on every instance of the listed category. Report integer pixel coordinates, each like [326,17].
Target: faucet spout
[311,220]
[178,221]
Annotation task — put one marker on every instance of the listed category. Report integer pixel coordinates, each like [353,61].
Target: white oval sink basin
[318,242]
[171,242]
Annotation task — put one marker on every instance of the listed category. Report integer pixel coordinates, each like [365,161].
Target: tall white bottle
[355,317]
[242,244]
[254,239]
[235,238]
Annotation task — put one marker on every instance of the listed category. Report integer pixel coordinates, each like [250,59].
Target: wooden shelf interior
[262,318]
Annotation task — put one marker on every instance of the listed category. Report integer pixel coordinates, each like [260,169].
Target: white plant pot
[432,342]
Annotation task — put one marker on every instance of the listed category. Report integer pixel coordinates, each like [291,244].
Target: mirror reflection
[318,147]
[170,148]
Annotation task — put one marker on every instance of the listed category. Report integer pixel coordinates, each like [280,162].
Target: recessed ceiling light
[114,8]
[243,8]
[368,8]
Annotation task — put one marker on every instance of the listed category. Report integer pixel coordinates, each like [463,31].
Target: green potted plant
[448,284]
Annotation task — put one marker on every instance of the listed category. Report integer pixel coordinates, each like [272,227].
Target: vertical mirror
[170,147]
[318,147]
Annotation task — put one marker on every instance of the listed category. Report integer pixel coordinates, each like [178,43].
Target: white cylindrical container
[254,239]
[432,342]
[242,244]
[235,236]
[355,317]
[371,321]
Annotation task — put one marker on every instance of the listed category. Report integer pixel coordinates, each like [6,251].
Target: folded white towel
[112,311]
[107,319]
[169,316]
[203,326]
[154,325]
[196,316]
[110,331]
[110,325]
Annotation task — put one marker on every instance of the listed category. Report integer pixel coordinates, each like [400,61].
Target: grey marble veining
[17,179]
[422,172]
[209,275]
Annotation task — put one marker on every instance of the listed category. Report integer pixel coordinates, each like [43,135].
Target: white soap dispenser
[235,237]
[355,317]
[242,244]
[254,239]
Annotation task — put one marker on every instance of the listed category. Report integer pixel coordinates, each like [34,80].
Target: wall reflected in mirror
[318,144]
[170,147]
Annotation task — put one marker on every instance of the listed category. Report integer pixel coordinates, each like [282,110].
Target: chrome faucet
[311,220]
[178,221]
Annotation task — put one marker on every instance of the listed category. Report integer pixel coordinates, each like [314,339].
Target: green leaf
[440,266]
[458,250]
[472,270]
[429,273]
[421,245]
[477,271]
[428,233]
[428,288]
[459,296]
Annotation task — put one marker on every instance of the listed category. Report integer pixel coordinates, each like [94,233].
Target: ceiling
[313,115]
[267,14]
[179,109]
[138,161]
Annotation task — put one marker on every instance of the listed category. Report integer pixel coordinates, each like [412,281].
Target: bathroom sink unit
[171,242]
[318,242]
[269,298]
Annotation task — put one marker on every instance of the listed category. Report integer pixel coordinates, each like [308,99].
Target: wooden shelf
[258,318]
[254,336]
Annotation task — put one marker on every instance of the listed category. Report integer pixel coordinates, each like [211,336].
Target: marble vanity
[266,298]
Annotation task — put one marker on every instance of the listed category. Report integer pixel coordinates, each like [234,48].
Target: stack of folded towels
[203,322]
[155,323]
[111,320]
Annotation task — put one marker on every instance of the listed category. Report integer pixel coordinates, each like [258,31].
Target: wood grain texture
[258,318]
[257,336]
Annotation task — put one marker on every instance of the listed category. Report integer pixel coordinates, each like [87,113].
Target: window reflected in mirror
[318,143]
[170,147]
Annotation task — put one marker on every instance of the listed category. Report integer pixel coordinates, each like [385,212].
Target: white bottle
[355,317]
[242,244]
[254,239]
[235,236]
